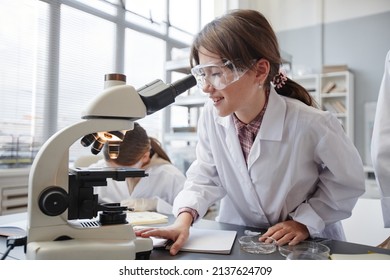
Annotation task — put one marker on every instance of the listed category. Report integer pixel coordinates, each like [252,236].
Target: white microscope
[62,208]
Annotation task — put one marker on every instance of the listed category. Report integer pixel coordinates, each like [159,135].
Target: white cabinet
[333,92]
[311,83]
[13,190]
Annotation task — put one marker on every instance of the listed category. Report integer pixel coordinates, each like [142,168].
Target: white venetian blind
[21,26]
[87,47]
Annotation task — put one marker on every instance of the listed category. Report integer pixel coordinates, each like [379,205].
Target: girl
[272,159]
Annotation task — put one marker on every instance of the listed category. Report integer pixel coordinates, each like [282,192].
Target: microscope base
[82,249]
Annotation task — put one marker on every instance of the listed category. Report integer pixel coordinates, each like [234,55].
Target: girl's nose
[207,87]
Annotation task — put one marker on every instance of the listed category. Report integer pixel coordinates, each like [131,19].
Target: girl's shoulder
[296,106]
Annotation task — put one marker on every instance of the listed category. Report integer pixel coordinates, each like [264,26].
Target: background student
[155,192]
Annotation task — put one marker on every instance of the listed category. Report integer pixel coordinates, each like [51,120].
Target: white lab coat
[301,166]
[164,181]
[380,143]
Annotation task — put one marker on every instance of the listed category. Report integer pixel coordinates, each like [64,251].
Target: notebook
[368,256]
[209,241]
[146,218]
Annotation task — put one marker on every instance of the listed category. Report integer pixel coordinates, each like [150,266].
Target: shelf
[195,100]
[181,66]
[339,99]
[311,83]
[334,95]
[180,128]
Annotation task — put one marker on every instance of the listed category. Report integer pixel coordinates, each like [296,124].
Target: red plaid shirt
[247,132]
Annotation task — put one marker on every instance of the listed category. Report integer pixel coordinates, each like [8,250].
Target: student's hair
[241,36]
[135,144]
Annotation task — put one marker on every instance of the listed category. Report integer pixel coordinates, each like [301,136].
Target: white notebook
[209,241]
[212,241]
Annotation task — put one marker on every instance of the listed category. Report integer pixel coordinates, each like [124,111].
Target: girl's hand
[287,232]
[178,232]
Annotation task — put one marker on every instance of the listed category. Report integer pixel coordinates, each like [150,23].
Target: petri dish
[305,255]
[251,244]
[305,250]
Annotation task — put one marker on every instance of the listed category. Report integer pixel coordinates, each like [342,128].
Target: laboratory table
[336,247]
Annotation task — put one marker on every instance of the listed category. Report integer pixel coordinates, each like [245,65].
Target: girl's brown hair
[134,145]
[241,36]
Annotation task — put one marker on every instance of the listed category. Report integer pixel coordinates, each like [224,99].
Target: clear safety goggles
[219,76]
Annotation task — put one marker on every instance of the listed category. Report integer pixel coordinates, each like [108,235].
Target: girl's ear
[145,158]
[262,68]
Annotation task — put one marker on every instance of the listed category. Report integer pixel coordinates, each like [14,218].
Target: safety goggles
[218,75]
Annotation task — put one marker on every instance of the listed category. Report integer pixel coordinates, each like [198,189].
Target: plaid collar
[254,125]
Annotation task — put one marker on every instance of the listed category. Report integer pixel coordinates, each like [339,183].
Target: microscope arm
[121,102]
[51,165]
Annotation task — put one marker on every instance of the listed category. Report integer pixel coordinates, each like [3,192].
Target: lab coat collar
[273,121]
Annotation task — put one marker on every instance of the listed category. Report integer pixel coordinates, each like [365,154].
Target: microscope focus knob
[53,201]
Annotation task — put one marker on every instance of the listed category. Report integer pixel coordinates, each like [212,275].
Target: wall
[357,42]
[293,14]
[360,44]
[325,32]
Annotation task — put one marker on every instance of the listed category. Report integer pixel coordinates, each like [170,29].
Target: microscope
[63,210]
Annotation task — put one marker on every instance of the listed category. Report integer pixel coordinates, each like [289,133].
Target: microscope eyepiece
[184,84]
[158,95]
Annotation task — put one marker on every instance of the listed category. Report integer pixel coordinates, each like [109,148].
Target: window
[54,55]
[148,13]
[19,70]
[185,25]
[142,69]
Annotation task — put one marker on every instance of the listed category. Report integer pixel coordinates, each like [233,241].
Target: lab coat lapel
[233,145]
[271,128]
